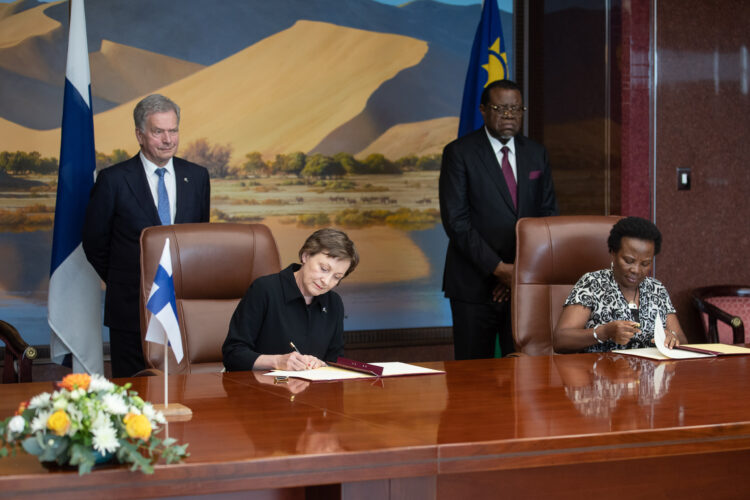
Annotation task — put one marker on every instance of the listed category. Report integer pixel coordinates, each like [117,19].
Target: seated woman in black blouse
[293,320]
[617,308]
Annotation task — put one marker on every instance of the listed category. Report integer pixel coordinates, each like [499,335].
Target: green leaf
[84,468]
[32,445]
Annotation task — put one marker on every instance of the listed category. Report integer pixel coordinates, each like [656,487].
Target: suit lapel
[488,159]
[138,184]
[523,170]
[182,182]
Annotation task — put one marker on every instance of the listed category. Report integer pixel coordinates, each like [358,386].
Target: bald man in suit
[152,188]
[489,179]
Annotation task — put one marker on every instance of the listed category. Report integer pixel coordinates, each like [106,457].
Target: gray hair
[155,103]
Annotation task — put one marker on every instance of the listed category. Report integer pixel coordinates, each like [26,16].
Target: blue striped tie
[163,205]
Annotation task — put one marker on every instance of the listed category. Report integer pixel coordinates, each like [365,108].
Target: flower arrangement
[89,420]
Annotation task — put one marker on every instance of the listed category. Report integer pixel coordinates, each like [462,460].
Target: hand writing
[621,331]
[295,361]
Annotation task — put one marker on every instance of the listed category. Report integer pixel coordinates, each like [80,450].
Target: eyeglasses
[504,108]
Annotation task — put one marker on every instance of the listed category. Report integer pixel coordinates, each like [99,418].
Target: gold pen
[294,347]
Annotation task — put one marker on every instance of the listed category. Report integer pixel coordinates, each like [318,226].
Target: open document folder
[348,369]
[687,351]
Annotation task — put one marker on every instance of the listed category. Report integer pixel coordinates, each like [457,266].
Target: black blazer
[478,213]
[120,207]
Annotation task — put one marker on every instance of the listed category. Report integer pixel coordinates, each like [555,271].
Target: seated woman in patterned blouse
[617,308]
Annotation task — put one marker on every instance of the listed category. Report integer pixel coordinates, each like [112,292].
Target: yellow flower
[58,422]
[80,380]
[137,426]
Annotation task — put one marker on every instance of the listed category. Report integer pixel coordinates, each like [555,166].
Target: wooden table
[528,427]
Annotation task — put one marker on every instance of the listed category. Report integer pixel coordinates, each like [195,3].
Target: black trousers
[126,353]
[475,327]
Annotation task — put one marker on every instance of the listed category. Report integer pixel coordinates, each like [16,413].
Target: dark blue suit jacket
[478,213]
[121,206]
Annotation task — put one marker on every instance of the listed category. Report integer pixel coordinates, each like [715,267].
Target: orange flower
[80,380]
[22,407]
[58,422]
[137,426]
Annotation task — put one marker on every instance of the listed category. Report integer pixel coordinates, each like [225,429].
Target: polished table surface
[515,422]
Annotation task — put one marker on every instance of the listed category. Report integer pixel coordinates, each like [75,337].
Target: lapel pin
[324,309]
[185,179]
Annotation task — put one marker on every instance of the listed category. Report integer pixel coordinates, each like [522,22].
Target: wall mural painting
[307,114]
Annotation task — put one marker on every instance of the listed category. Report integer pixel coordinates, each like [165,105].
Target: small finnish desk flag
[163,324]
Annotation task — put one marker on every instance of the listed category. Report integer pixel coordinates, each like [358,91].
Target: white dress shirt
[169,182]
[497,147]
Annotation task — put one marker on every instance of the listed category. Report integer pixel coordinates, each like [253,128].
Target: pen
[294,347]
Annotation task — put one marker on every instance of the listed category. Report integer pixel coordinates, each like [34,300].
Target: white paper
[325,373]
[659,338]
[643,352]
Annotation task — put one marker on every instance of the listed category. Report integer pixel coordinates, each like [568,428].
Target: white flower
[39,422]
[39,401]
[114,404]
[159,417]
[105,439]
[74,413]
[134,410]
[77,394]
[99,383]
[153,415]
[16,424]
[59,403]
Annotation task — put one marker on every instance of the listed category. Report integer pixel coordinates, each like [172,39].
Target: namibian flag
[488,63]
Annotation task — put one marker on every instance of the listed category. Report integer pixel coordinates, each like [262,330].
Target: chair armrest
[149,372]
[13,341]
[18,355]
[714,313]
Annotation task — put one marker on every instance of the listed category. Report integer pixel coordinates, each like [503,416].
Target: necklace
[632,304]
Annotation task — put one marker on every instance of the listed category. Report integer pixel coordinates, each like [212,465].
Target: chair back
[212,266]
[552,253]
[724,311]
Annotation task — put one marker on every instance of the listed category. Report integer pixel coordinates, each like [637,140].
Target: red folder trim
[358,366]
[700,351]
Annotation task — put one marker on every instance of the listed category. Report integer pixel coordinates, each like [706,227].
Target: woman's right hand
[620,331]
[295,361]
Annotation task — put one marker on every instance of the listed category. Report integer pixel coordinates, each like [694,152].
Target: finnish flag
[75,292]
[163,324]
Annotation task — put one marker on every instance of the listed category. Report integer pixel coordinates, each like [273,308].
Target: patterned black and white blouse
[598,291]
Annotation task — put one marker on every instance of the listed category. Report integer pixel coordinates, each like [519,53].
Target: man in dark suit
[150,189]
[488,180]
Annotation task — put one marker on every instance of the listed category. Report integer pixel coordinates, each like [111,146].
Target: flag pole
[166,372]
[163,325]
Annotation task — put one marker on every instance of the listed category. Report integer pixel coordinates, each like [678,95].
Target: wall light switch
[683,179]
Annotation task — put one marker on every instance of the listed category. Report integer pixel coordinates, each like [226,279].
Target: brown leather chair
[212,266]
[18,355]
[722,309]
[552,253]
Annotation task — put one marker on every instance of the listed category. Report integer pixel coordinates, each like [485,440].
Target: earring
[612,266]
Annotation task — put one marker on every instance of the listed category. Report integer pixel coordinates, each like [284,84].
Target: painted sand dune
[294,93]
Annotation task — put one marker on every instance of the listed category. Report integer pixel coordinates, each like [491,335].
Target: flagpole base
[175,412]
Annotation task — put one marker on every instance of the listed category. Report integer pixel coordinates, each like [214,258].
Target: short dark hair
[634,227]
[154,103]
[333,243]
[503,84]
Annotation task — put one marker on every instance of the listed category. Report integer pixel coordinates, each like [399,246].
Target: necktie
[163,204]
[510,180]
